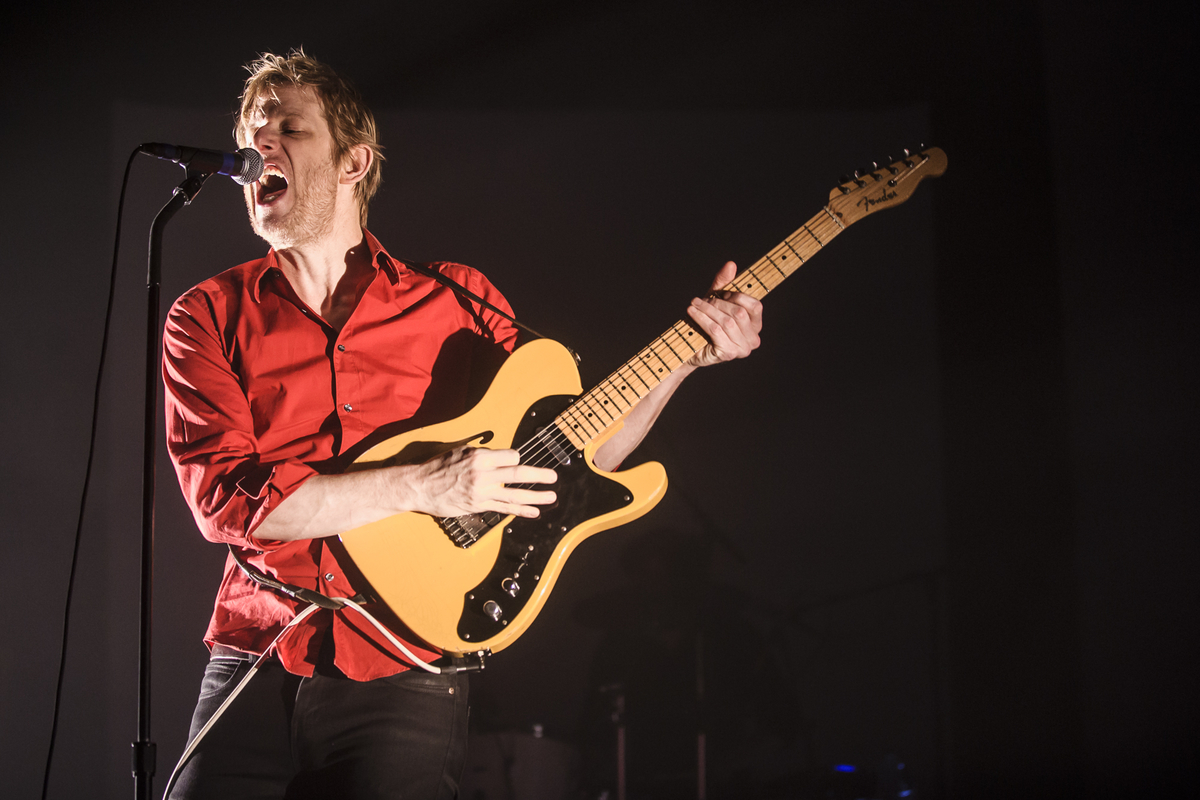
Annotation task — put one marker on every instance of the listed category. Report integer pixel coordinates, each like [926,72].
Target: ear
[356,163]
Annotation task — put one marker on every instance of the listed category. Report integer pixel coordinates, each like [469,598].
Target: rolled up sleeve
[227,484]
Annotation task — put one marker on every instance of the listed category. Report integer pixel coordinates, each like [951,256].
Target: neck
[327,273]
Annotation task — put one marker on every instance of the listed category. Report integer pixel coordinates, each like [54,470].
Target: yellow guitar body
[477,583]
[441,589]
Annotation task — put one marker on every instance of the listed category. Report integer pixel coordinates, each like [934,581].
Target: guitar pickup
[555,446]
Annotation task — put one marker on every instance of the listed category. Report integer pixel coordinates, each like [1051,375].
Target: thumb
[724,276]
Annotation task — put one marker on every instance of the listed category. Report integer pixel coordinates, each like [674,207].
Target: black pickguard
[528,543]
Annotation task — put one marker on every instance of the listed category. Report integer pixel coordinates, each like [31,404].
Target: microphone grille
[252,166]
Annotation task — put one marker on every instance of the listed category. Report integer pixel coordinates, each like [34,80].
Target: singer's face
[294,202]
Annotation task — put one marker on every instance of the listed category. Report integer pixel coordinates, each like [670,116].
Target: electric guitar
[475,583]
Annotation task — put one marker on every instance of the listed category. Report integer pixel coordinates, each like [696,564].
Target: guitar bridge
[466,530]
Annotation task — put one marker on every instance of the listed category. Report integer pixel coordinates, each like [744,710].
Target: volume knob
[493,610]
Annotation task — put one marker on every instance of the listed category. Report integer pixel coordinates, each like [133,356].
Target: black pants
[327,736]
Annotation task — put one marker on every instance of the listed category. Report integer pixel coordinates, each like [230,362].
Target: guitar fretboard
[616,395]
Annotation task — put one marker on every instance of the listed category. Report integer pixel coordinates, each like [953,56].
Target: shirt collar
[380,259]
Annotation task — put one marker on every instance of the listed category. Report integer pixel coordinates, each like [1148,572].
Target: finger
[718,339]
[724,275]
[706,315]
[486,458]
[730,335]
[521,502]
[529,512]
[741,316]
[718,317]
[525,474]
[731,302]
[527,497]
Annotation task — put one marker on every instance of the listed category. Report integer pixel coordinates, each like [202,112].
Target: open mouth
[271,185]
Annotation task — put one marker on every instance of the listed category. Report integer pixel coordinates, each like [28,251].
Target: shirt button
[341,348]
[329,576]
[348,407]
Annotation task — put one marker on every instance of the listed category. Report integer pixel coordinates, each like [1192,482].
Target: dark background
[942,514]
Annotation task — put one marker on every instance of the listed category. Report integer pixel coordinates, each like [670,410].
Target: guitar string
[830,226]
[545,440]
[578,410]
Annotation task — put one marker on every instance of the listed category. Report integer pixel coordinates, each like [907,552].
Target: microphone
[244,166]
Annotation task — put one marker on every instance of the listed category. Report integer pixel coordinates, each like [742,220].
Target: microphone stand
[144,749]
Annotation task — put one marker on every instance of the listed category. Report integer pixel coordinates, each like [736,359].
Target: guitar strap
[458,288]
[314,597]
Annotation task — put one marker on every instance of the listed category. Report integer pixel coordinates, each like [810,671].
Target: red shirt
[262,394]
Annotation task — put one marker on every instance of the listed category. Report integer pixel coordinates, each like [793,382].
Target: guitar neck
[616,395]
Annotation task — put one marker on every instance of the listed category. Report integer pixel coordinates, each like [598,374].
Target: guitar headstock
[883,187]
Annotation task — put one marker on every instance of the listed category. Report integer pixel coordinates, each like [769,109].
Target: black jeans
[327,736]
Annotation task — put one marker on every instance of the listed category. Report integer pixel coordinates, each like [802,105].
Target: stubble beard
[311,217]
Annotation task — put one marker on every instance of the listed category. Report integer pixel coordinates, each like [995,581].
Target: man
[274,370]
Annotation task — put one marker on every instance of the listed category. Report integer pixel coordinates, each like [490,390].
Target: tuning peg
[844,179]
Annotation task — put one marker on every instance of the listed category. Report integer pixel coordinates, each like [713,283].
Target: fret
[629,383]
[583,420]
[788,243]
[771,261]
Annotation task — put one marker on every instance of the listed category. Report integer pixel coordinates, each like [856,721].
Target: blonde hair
[350,121]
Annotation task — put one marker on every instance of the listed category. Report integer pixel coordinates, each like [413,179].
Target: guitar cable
[317,601]
[192,745]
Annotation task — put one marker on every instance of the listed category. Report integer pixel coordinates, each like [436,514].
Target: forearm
[637,423]
[462,481]
[730,322]
[326,505]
